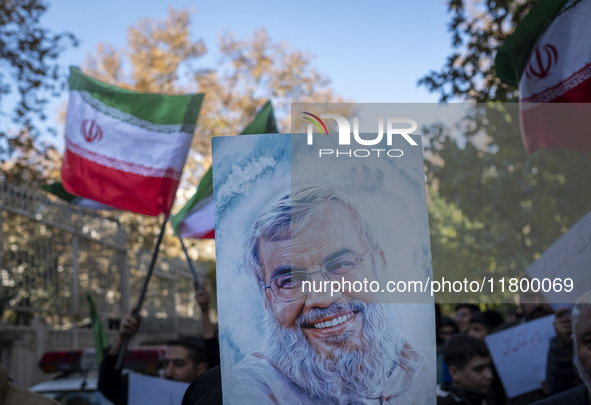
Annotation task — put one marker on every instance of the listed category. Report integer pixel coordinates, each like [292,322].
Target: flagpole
[190,263]
[125,343]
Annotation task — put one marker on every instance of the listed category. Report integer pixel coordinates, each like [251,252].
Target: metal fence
[52,254]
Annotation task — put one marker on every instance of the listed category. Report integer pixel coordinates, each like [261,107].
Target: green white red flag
[196,219]
[549,55]
[126,149]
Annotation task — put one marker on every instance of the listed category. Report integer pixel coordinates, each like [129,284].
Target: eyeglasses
[287,287]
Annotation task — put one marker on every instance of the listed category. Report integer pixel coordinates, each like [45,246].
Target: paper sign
[568,258]
[151,390]
[520,355]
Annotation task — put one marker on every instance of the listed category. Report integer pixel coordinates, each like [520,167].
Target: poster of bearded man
[318,260]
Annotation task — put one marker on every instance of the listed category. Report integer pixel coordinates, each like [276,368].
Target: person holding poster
[322,346]
[581,328]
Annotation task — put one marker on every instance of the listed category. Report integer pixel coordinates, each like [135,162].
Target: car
[73,389]
[77,383]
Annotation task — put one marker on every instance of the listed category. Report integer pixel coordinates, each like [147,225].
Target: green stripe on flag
[264,123]
[161,109]
[58,190]
[204,190]
[513,55]
[101,340]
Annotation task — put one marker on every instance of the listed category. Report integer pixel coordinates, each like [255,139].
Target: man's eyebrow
[280,271]
[336,255]
[284,269]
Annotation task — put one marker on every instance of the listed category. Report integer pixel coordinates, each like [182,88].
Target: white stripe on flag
[91,204]
[559,62]
[125,146]
[200,221]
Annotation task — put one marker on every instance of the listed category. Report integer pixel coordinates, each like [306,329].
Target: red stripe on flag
[208,235]
[203,233]
[119,189]
[563,122]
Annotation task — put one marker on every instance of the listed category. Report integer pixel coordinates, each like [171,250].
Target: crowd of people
[467,375]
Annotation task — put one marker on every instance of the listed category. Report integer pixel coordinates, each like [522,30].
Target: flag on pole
[195,219]
[126,149]
[58,190]
[101,340]
[549,56]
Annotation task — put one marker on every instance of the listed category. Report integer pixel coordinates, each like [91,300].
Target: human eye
[284,281]
[290,279]
[341,265]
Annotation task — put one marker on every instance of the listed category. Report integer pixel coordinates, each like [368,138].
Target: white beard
[348,372]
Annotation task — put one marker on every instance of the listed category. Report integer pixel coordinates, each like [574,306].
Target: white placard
[568,257]
[151,390]
[520,355]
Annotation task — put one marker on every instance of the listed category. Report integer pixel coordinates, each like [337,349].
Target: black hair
[490,319]
[447,321]
[460,349]
[471,307]
[195,346]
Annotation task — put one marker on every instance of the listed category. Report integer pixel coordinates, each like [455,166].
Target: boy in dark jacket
[468,361]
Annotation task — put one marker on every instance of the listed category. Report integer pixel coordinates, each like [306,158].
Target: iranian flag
[195,219]
[549,56]
[126,149]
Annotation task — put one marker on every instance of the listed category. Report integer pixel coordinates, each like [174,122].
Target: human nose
[488,375]
[324,294]
[168,371]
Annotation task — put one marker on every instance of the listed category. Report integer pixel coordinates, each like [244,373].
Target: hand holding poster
[300,243]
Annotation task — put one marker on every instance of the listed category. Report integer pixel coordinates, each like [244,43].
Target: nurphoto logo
[394,126]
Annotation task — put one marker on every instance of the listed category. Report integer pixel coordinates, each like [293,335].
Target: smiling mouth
[332,322]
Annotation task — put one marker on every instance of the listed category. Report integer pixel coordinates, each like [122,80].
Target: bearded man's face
[329,343]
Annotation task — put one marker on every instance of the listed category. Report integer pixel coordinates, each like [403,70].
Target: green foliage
[493,206]
[477,28]
[30,73]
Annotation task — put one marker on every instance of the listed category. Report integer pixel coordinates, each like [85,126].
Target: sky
[372,51]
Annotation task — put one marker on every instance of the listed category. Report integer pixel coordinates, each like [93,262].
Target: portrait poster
[322,266]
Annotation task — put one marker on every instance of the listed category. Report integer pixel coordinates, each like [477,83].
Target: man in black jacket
[184,360]
[581,324]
